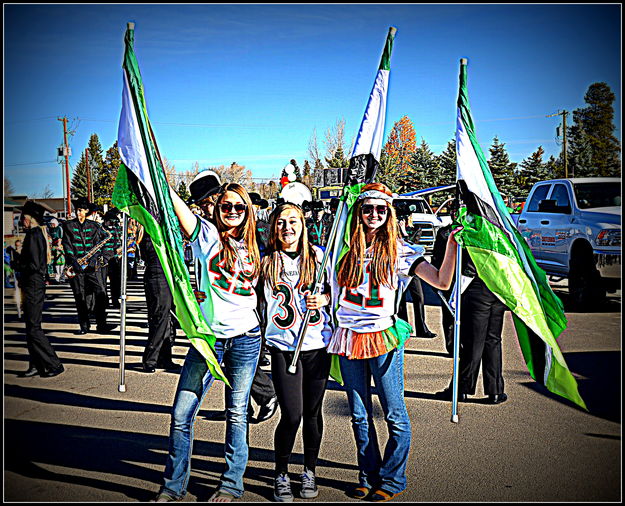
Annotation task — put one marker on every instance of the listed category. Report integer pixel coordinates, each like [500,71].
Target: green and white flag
[141,191]
[365,157]
[363,164]
[505,263]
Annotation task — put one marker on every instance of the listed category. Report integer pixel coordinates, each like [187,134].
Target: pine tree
[337,160]
[531,170]
[502,168]
[424,168]
[78,185]
[298,172]
[444,172]
[592,135]
[182,191]
[307,177]
[107,176]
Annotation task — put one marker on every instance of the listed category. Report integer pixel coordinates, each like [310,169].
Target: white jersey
[230,305]
[371,308]
[286,307]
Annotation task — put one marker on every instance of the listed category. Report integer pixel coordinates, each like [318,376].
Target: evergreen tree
[531,170]
[307,177]
[337,160]
[298,172]
[387,174]
[592,135]
[107,176]
[424,168]
[95,158]
[78,187]
[554,168]
[182,191]
[502,168]
[444,173]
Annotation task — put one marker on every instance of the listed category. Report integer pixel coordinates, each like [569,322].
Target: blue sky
[250,83]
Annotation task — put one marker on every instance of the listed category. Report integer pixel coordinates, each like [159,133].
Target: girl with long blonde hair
[289,271]
[229,267]
[370,337]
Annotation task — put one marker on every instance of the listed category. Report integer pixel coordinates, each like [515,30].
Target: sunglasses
[226,207]
[369,208]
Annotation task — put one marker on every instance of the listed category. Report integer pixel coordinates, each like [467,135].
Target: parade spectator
[32,265]
[228,254]
[288,275]
[370,338]
[58,261]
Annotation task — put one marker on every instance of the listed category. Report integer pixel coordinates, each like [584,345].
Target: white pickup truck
[424,222]
[573,227]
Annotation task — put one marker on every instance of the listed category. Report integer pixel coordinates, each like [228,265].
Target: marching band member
[80,236]
[32,265]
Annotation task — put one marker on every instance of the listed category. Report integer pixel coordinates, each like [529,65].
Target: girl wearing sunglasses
[230,265]
[370,338]
[289,271]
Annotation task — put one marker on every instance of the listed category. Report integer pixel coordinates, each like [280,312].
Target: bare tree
[9,189]
[47,193]
[313,147]
[335,138]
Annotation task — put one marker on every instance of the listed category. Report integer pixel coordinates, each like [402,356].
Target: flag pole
[318,284]
[457,296]
[122,310]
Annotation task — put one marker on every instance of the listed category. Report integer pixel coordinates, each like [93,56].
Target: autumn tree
[399,150]
[234,173]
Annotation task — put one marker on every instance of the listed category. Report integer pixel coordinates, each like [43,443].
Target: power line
[28,163]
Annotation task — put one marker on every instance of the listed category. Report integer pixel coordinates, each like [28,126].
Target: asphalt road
[76,438]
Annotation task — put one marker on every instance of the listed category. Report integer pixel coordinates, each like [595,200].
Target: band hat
[375,194]
[205,184]
[82,203]
[32,208]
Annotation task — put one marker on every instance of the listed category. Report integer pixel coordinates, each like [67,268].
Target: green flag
[141,191]
[505,263]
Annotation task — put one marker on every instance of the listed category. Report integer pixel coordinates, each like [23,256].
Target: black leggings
[300,395]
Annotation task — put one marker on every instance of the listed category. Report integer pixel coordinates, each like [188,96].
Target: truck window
[561,196]
[602,194]
[539,194]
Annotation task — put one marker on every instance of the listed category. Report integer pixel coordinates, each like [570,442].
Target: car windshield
[591,195]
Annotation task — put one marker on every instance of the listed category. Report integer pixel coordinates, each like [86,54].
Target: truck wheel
[586,288]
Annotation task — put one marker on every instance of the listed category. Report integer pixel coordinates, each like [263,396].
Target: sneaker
[309,486]
[282,488]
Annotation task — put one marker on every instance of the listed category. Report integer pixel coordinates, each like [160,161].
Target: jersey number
[286,318]
[373,300]
[224,277]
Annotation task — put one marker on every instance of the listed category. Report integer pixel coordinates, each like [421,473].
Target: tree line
[592,150]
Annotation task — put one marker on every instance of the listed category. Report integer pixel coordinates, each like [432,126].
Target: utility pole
[66,153]
[563,113]
[88,170]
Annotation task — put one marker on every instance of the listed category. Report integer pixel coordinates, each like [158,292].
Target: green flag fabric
[141,190]
[363,165]
[505,263]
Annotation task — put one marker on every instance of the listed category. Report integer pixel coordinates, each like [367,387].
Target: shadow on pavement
[599,382]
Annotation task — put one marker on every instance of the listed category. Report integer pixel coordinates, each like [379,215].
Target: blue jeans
[239,357]
[387,370]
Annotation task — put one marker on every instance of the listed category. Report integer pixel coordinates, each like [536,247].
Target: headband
[375,194]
